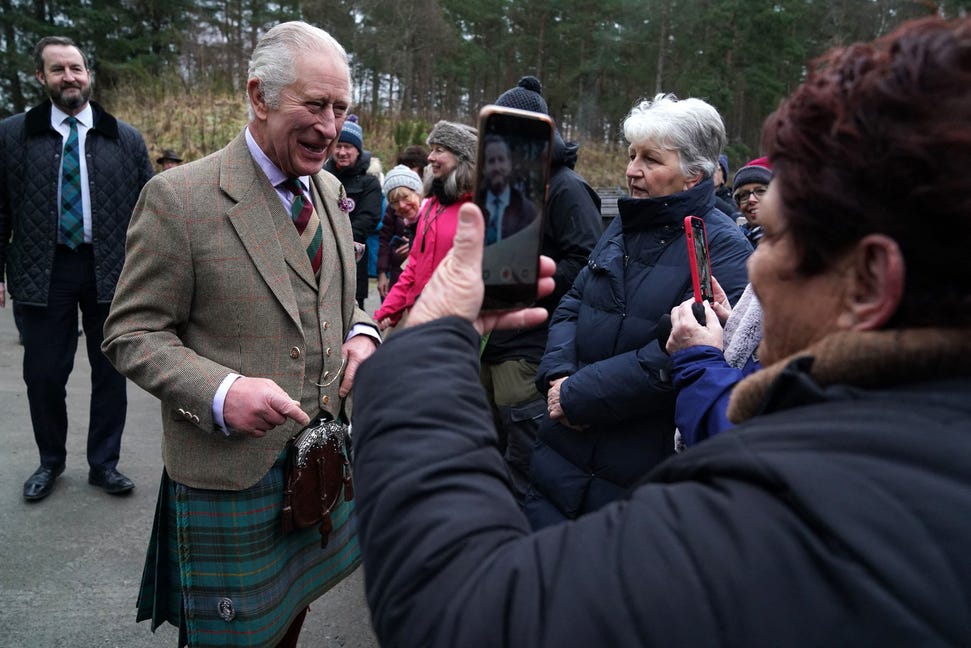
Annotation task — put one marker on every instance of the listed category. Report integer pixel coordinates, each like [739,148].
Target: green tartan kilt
[221,569]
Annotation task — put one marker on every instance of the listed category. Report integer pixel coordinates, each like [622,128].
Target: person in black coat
[350,164]
[838,513]
[70,175]
[571,227]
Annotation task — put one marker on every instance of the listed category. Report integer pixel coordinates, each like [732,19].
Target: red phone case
[700,264]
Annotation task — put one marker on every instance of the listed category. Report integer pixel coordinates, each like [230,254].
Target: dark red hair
[878,140]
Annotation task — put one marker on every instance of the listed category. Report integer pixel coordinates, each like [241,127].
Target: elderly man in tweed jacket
[244,330]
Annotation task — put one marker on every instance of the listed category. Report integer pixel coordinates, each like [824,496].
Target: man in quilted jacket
[70,174]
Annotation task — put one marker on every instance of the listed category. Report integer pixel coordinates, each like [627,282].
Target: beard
[70,102]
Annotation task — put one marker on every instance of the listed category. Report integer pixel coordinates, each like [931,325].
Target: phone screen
[694,229]
[512,175]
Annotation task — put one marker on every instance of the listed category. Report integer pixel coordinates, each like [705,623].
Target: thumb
[467,245]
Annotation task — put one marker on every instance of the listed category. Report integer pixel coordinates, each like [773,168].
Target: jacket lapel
[261,223]
[336,257]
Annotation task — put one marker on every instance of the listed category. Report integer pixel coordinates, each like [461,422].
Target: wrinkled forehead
[62,55]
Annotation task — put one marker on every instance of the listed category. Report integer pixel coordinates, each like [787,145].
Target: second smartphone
[512,177]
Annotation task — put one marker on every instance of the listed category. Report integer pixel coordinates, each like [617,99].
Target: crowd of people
[574,473]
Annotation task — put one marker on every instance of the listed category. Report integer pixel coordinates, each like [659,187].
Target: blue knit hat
[352,133]
[723,163]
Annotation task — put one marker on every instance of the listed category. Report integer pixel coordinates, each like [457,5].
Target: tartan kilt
[221,569]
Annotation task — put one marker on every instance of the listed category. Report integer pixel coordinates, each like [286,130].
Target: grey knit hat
[457,138]
[401,176]
[755,171]
[527,95]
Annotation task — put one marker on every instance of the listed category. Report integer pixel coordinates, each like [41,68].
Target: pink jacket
[433,240]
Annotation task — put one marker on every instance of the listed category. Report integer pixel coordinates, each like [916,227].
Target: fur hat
[457,138]
[527,95]
[402,176]
[755,171]
[352,134]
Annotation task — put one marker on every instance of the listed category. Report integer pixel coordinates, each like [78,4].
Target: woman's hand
[383,284]
[403,250]
[721,306]
[687,332]
[553,404]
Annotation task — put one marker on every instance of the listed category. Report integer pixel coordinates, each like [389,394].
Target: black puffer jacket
[365,192]
[30,162]
[841,517]
[571,227]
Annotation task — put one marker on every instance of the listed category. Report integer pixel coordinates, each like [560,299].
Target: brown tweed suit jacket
[213,281]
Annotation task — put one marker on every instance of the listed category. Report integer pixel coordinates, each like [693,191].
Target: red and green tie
[306,221]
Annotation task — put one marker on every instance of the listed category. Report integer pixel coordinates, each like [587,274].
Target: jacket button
[326,325]
[327,352]
[227,612]
[325,399]
[294,352]
[326,375]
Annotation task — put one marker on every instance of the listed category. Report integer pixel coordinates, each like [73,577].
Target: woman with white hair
[610,407]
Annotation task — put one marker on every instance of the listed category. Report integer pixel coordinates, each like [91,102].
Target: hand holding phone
[700,264]
[512,176]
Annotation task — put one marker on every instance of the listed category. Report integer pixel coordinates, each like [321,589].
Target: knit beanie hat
[457,138]
[352,133]
[527,95]
[755,171]
[723,163]
[402,176]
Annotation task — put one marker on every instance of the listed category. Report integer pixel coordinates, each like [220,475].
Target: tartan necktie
[492,231]
[306,221]
[72,217]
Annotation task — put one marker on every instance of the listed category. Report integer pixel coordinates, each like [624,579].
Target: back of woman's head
[691,127]
[878,140]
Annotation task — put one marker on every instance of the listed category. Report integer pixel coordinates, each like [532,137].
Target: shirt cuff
[219,400]
[365,329]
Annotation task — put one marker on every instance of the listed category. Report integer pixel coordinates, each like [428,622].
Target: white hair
[691,127]
[272,60]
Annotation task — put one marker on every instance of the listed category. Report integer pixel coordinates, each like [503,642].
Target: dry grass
[196,123]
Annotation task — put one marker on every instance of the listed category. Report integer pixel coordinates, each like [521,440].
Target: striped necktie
[72,217]
[306,221]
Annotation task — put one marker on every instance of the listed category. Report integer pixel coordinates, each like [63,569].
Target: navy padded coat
[603,336]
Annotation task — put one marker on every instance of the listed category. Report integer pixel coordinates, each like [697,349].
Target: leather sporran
[317,470]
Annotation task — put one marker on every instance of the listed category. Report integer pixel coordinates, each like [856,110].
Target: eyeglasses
[744,196]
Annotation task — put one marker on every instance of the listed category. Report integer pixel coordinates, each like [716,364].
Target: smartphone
[700,264]
[397,241]
[512,177]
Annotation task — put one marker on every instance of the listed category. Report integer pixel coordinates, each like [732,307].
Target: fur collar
[868,359]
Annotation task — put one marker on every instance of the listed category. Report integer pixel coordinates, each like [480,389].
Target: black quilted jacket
[30,160]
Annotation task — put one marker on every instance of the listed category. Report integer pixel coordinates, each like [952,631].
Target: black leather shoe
[111,480]
[41,483]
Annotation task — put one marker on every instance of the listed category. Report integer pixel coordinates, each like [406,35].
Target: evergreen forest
[415,61]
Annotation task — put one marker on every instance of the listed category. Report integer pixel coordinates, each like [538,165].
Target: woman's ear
[692,181]
[876,279]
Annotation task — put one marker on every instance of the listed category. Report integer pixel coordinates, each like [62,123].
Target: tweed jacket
[216,281]
[30,163]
